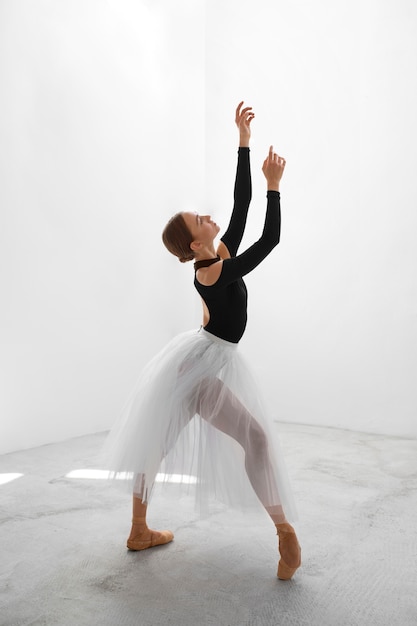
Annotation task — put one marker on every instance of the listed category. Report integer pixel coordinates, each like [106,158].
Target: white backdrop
[334,309]
[102,129]
[115,115]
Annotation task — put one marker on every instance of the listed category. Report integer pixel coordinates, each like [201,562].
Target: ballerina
[196,407]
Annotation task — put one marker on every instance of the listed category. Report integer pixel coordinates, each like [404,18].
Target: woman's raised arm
[234,268]
[243,183]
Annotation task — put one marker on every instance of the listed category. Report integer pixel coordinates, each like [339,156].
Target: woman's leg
[142,537]
[220,407]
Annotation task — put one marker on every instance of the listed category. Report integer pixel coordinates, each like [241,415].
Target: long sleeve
[226,299]
[241,265]
[242,197]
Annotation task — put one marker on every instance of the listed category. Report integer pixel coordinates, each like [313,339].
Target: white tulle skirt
[195,414]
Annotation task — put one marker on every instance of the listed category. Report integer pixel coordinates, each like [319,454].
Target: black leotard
[226,300]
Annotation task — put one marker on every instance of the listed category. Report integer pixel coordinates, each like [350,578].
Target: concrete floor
[63,560]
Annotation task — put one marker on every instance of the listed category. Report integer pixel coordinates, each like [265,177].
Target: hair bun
[185,259]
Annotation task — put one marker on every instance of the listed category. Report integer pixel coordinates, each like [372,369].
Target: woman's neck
[205,253]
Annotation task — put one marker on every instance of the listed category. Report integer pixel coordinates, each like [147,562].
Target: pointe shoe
[288,542]
[154,538]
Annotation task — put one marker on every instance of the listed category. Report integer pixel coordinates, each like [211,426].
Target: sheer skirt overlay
[196,413]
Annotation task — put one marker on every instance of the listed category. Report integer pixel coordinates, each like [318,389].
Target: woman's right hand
[243,119]
[273,169]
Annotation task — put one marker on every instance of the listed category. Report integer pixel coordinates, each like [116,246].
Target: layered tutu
[195,414]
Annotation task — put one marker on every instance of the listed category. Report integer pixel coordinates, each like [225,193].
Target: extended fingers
[239,106]
[237,116]
[273,157]
[244,114]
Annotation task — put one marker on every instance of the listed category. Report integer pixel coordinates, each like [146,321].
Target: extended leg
[220,407]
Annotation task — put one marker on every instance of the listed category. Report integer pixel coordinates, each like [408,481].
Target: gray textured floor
[63,560]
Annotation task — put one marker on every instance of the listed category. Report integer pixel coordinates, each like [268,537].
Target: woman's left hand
[243,120]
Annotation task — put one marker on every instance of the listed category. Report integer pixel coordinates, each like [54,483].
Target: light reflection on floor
[7,478]
[104,474]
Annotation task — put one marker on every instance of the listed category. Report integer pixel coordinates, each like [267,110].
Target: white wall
[334,309]
[104,115]
[102,141]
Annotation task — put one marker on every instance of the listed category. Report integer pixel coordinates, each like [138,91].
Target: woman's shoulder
[208,276]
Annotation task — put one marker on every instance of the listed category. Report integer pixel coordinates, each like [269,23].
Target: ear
[195,245]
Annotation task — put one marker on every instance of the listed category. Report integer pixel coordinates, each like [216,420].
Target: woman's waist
[214,338]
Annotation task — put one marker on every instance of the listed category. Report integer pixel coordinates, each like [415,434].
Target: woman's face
[202,227]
